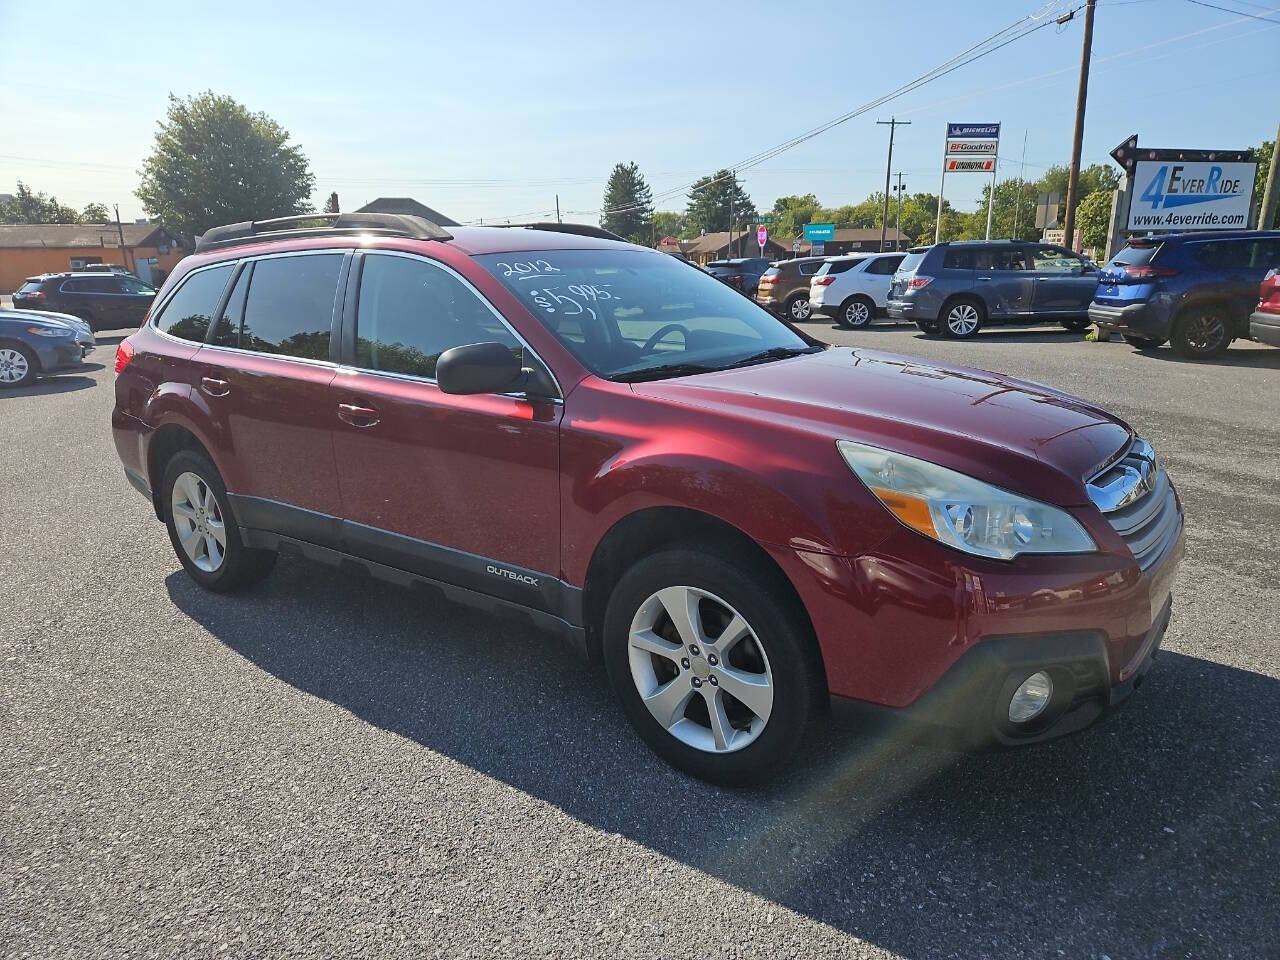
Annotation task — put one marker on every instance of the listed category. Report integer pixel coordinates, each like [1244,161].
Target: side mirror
[479,368]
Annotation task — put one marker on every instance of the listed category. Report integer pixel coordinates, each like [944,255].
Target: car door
[461,489]
[1002,277]
[106,301]
[877,277]
[264,375]
[1064,283]
[136,299]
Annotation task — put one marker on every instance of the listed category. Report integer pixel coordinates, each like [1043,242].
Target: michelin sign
[1176,195]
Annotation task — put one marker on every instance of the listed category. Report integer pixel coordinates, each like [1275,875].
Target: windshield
[1135,256]
[629,315]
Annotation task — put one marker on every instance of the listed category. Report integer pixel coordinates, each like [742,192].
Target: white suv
[852,290]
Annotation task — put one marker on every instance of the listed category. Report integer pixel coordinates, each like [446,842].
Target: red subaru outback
[740,522]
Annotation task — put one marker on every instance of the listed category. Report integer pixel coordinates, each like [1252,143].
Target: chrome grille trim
[1136,497]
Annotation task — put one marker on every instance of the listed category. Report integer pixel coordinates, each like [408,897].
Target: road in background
[324,765]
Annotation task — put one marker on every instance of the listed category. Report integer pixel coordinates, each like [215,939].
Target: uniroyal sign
[972,148]
[970,166]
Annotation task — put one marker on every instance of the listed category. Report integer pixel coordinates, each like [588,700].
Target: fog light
[1030,699]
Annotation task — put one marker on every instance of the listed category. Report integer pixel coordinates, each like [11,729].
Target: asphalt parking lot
[324,766]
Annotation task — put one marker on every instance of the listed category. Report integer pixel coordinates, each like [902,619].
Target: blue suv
[1195,290]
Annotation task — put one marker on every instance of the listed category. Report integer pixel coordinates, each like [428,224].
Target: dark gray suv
[955,288]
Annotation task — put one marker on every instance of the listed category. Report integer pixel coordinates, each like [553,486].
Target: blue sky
[491,109]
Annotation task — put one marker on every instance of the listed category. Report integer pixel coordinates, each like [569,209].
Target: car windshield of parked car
[631,315]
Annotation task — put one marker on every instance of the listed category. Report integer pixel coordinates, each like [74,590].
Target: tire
[857,311]
[798,309]
[18,366]
[1076,324]
[962,318]
[776,653]
[1201,333]
[200,504]
[928,327]
[1144,343]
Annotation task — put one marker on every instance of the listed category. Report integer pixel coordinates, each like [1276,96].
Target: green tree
[668,223]
[790,214]
[1093,217]
[29,206]
[628,204]
[331,205]
[215,162]
[713,198]
[1265,154]
[95,213]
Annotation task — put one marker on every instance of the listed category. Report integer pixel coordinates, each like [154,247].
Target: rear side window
[190,310]
[884,265]
[956,260]
[912,261]
[289,309]
[1222,254]
[999,258]
[411,311]
[1264,253]
[106,284]
[809,269]
[839,266]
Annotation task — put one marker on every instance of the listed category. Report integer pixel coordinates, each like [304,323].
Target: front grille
[1136,497]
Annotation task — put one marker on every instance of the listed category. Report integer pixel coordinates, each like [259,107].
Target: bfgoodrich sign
[1173,195]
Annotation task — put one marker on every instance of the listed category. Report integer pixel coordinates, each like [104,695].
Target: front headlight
[962,512]
[51,331]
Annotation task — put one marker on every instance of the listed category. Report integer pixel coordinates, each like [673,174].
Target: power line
[1238,13]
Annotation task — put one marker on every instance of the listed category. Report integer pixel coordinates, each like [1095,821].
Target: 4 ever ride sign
[1194,195]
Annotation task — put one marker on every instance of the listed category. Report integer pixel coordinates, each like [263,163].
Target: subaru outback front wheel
[710,664]
[202,529]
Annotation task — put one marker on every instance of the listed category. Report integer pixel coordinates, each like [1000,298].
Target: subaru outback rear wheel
[962,319]
[798,308]
[202,530]
[710,665]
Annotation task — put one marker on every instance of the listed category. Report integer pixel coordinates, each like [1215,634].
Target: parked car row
[1197,291]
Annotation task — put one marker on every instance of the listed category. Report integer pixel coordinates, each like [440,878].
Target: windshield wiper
[663,370]
[773,353]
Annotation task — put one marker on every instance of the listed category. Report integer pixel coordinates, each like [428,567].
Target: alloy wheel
[700,669]
[856,314]
[13,365]
[962,319]
[198,521]
[800,309]
[1205,333]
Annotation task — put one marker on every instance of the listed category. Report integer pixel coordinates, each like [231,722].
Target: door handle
[215,387]
[357,415]
[984,278]
[1042,279]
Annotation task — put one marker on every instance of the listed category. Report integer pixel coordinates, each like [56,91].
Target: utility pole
[732,180]
[1022,171]
[892,123]
[558,208]
[1271,195]
[124,257]
[897,221]
[1082,94]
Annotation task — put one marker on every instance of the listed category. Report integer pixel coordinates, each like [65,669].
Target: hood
[1018,435]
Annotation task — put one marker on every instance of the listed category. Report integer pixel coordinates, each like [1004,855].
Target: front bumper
[62,353]
[1135,318]
[1265,328]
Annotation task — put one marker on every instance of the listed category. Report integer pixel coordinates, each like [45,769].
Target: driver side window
[1051,260]
[410,311]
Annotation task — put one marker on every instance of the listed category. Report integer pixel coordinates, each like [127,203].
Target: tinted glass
[911,261]
[1052,260]
[809,269]
[884,265]
[289,310]
[837,266]
[623,312]
[29,286]
[999,258]
[131,285]
[190,309]
[1132,256]
[227,331]
[772,272]
[72,286]
[410,312]
[956,260]
[100,285]
[1264,253]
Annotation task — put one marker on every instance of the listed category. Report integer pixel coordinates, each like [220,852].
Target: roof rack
[578,229]
[332,224]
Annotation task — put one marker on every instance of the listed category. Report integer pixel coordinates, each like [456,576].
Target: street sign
[819,232]
[1047,210]
[971,166]
[762,235]
[765,218]
[795,245]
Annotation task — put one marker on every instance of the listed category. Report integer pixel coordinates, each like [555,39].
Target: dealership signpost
[969,148]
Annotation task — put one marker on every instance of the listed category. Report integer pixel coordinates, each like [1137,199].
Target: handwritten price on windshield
[576,298]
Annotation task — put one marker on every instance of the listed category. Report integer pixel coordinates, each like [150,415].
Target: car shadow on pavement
[64,383]
[1262,357]
[1103,838]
